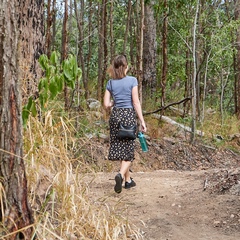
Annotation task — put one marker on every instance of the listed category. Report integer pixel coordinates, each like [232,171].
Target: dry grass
[59,196]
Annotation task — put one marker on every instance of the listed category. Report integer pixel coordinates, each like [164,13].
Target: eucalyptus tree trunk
[237,79]
[205,86]
[54,31]
[194,95]
[129,9]
[111,32]
[80,24]
[48,29]
[187,86]
[102,48]
[134,38]
[90,32]
[224,83]
[140,72]
[100,51]
[64,48]
[31,44]
[149,51]
[15,215]
[164,54]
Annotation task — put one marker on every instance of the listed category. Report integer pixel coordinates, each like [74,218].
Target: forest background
[185,55]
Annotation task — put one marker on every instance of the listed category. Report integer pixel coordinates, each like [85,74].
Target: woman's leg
[124,170]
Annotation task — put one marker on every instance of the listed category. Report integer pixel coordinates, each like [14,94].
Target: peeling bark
[16,212]
[30,17]
[149,50]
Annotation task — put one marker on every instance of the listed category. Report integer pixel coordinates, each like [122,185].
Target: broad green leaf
[34,109]
[60,82]
[53,88]
[43,60]
[25,115]
[43,97]
[54,58]
[43,84]
[29,105]
[67,70]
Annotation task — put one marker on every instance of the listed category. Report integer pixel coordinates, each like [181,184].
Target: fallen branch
[169,120]
[169,105]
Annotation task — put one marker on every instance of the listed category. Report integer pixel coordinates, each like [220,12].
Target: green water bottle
[143,142]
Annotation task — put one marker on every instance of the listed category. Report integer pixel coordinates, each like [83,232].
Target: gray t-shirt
[122,91]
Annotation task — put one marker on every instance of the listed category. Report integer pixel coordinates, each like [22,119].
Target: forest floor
[183,192]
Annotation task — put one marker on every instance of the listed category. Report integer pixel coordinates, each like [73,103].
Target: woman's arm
[107,102]
[138,108]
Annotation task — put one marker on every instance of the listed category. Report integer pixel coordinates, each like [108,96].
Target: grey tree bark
[15,211]
[31,31]
[237,79]
[194,78]
[149,49]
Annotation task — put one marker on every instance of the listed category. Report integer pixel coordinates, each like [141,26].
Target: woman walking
[124,91]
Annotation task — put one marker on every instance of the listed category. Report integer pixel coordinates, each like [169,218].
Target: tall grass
[63,208]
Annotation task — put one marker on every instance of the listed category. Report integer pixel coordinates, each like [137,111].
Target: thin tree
[65,47]
[129,9]
[164,53]
[140,72]
[194,94]
[48,29]
[102,48]
[54,31]
[16,213]
[79,13]
[237,78]
[111,31]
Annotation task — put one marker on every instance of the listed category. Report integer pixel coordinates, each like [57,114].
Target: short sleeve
[108,87]
[135,82]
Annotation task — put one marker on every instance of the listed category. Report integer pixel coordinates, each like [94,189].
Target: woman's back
[121,90]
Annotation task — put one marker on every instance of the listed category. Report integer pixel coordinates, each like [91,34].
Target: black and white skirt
[121,149]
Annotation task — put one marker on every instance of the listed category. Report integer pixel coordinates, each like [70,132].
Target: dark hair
[118,67]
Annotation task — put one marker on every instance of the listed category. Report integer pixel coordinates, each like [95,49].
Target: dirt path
[171,205]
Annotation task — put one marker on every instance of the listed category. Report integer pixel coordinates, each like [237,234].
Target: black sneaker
[118,180]
[131,184]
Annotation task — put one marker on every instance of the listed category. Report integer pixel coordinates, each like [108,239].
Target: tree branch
[169,105]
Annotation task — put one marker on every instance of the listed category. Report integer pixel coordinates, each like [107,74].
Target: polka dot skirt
[121,149]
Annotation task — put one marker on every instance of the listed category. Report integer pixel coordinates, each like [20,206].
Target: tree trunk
[80,24]
[237,84]
[129,9]
[187,86]
[15,211]
[54,31]
[164,54]
[31,31]
[149,51]
[64,49]
[111,32]
[194,95]
[48,30]
[140,72]
[102,49]
[90,30]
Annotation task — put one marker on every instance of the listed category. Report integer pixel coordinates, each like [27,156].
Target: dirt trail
[172,205]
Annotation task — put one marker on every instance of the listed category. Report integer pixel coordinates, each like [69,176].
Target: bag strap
[114,100]
[112,90]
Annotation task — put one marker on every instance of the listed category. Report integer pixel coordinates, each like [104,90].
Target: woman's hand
[143,127]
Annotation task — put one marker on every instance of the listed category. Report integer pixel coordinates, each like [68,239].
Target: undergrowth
[58,192]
